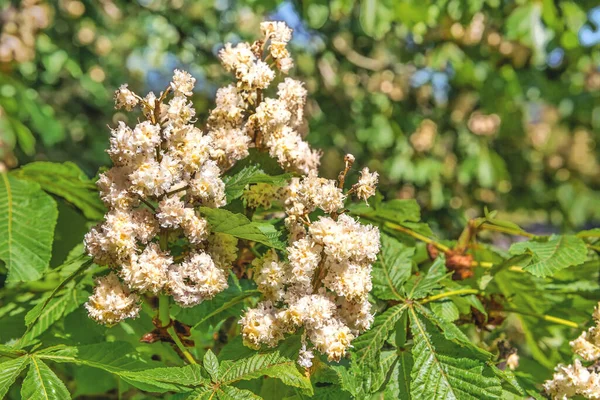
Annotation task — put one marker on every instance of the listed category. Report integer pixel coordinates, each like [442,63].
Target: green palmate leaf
[559,252]
[55,309]
[42,384]
[224,221]
[211,364]
[392,269]
[235,185]
[420,286]
[172,378]
[8,351]
[68,181]
[27,220]
[233,393]
[9,371]
[80,263]
[367,347]
[398,385]
[271,364]
[120,359]
[445,370]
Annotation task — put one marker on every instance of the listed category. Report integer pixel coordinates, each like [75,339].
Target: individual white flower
[583,347]
[276,30]
[293,94]
[229,145]
[196,229]
[367,182]
[512,361]
[171,212]
[352,281]
[114,187]
[304,256]
[207,186]
[270,275]
[332,338]
[112,302]
[234,57]
[357,316]
[125,98]
[183,83]
[305,357]
[148,271]
[180,111]
[196,279]
[260,326]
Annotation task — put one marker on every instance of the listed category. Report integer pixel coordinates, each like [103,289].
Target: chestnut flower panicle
[162,171]
[323,286]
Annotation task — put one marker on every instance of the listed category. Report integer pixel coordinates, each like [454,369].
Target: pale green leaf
[271,364]
[224,221]
[55,309]
[27,220]
[43,384]
[8,351]
[398,386]
[558,253]
[68,181]
[392,269]
[233,393]
[445,370]
[80,263]
[420,286]
[211,364]
[10,370]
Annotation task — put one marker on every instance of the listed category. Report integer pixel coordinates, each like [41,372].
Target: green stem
[418,236]
[548,318]
[180,345]
[163,310]
[448,294]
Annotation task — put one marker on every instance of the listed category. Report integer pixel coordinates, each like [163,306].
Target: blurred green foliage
[458,104]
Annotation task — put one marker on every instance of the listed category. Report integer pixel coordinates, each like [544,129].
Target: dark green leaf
[42,384]
[392,269]
[68,181]
[238,225]
[559,252]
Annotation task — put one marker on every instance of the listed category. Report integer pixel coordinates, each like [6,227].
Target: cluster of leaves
[436,332]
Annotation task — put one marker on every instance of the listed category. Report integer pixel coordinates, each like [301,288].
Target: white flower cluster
[323,286]
[244,118]
[575,379]
[163,169]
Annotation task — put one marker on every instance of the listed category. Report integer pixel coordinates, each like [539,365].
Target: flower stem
[163,310]
[418,236]
[449,294]
[184,351]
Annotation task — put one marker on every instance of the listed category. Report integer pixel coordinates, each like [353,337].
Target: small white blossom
[367,182]
[148,271]
[183,83]
[196,279]
[125,98]
[112,302]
